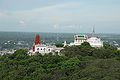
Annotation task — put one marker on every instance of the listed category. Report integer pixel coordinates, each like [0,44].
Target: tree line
[79,63]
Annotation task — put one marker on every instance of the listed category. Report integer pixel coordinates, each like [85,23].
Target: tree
[86,44]
[80,62]
[108,46]
[103,53]
[59,45]
[117,54]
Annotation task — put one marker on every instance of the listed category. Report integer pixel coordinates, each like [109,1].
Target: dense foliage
[59,45]
[79,63]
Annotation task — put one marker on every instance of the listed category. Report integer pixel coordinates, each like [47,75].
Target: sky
[66,16]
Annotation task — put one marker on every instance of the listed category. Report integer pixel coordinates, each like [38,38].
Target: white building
[93,41]
[38,47]
[79,39]
[65,43]
[41,48]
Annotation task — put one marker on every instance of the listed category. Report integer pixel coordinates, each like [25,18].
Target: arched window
[48,49]
[44,49]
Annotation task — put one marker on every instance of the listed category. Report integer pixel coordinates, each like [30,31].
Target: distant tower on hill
[37,39]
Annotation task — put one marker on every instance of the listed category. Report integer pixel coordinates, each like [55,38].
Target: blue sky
[76,16]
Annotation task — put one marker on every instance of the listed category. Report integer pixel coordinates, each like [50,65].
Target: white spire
[65,43]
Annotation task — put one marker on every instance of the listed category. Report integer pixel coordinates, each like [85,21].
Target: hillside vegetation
[79,63]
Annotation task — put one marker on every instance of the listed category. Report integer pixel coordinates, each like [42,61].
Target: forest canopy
[79,63]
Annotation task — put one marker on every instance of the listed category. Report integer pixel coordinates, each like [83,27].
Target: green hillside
[79,63]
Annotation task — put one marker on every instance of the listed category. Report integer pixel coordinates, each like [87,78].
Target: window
[44,49]
[48,49]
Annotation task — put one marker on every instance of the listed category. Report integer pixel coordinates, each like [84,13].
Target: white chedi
[95,42]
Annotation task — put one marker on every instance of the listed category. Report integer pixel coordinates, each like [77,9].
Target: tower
[65,43]
[37,39]
[93,33]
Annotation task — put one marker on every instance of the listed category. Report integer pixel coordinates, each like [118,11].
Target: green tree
[86,44]
[59,45]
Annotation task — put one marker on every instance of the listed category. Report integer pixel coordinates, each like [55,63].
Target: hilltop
[80,62]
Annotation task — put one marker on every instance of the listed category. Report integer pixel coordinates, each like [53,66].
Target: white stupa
[94,41]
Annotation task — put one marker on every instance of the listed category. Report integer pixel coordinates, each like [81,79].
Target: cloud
[1,14]
[69,27]
[40,15]
[23,23]
[43,9]
[56,26]
[66,15]
[73,26]
[48,8]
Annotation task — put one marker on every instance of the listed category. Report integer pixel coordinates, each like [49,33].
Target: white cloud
[48,8]
[65,13]
[23,23]
[43,15]
[69,27]
[42,9]
[56,26]
[73,26]
[1,14]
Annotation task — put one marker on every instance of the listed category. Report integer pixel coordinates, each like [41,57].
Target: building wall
[95,42]
[43,49]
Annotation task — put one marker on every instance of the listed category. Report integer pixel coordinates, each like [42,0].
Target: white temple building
[41,48]
[38,47]
[93,41]
[79,39]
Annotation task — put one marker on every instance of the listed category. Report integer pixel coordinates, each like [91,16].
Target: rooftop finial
[93,33]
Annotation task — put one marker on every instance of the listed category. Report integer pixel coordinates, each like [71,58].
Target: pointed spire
[93,33]
[37,39]
[65,43]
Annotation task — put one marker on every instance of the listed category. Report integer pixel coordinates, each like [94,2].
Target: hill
[79,63]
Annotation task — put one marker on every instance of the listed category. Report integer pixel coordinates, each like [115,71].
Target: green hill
[79,63]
